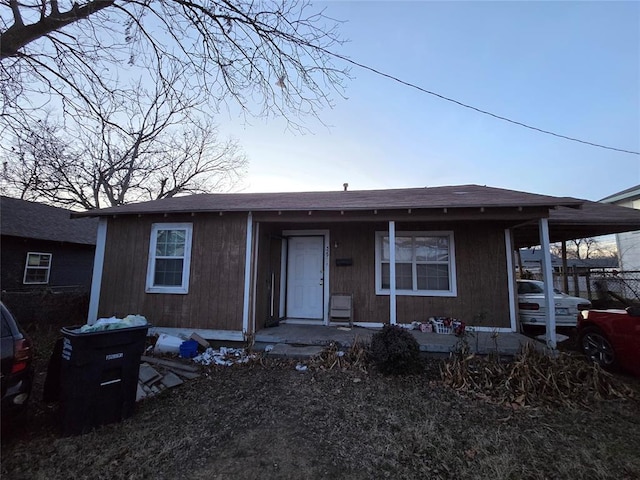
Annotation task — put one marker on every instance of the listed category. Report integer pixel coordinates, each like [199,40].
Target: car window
[529,287]
[6,330]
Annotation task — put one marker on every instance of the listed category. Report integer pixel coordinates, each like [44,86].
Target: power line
[479,110]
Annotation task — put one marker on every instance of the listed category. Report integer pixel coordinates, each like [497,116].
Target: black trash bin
[99,376]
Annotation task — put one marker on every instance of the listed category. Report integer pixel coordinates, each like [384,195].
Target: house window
[425,264]
[37,268]
[169,258]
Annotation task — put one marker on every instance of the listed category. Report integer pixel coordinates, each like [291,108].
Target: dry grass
[534,378]
[339,419]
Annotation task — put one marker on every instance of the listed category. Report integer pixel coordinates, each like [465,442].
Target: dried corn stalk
[354,358]
[533,378]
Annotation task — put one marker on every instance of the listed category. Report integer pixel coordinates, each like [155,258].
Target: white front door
[305,277]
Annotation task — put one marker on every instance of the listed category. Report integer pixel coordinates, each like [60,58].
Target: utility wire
[499,117]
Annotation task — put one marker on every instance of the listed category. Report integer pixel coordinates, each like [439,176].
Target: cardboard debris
[158,374]
[179,365]
[188,375]
[164,374]
[171,380]
[148,374]
[201,341]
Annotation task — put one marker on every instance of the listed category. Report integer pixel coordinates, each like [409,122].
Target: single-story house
[228,265]
[43,248]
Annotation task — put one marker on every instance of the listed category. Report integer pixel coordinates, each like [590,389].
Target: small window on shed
[37,268]
[169,258]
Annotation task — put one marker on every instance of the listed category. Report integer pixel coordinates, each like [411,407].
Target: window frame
[27,268]
[186,264]
[451,292]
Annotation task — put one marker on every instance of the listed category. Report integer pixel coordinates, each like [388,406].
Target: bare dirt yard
[268,420]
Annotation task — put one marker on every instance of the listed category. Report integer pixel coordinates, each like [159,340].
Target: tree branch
[19,34]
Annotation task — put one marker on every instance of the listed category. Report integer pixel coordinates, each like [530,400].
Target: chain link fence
[605,289]
[617,288]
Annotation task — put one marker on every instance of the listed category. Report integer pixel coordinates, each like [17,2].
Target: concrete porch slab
[483,343]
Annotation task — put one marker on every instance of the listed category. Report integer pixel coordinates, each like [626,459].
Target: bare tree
[271,56]
[583,249]
[157,150]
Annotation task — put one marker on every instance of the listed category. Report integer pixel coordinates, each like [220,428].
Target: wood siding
[216,283]
[216,287]
[481,267]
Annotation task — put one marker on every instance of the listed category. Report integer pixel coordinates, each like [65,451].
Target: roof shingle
[462,196]
[21,218]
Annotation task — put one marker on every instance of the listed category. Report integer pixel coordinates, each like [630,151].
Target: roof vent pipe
[345,186]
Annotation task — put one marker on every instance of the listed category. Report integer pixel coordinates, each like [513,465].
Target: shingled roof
[21,218]
[462,196]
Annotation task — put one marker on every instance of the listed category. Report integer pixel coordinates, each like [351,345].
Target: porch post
[547,276]
[508,245]
[98,264]
[247,275]
[565,274]
[392,272]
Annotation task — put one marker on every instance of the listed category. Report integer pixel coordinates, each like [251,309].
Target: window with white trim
[425,264]
[169,258]
[37,268]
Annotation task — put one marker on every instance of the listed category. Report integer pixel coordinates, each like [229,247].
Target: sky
[569,67]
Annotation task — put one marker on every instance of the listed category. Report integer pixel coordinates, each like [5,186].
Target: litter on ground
[225,356]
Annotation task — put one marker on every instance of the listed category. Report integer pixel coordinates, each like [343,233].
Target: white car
[532,309]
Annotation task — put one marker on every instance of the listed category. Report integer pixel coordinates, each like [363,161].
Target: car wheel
[596,346]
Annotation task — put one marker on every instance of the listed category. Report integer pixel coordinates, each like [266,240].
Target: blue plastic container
[189,349]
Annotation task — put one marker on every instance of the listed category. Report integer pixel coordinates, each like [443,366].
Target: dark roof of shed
[462,196]
[21,218]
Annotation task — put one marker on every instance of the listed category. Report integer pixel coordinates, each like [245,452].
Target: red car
[611,338]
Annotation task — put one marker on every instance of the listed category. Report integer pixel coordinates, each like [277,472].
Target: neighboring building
[44,248]
[227,265]
[628,243]
[532,261]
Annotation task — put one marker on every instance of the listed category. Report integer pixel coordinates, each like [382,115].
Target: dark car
[17,366]
[611,338]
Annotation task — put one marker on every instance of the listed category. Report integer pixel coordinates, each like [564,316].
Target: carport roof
[591,220]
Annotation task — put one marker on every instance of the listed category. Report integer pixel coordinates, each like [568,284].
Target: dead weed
[354,358]
[534,378]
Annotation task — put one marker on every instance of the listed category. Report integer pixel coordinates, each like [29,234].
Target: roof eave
[255,208]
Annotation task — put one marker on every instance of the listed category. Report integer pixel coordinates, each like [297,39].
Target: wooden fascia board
[510,214]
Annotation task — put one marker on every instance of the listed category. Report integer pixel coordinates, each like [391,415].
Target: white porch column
[508,245]
[247,274]
[392,272]
[547,276]
[98,264]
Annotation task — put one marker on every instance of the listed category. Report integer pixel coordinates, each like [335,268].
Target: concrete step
[297,352]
